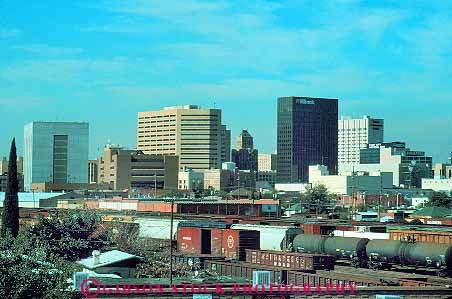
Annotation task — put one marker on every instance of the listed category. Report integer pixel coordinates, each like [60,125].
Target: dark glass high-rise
[307,135]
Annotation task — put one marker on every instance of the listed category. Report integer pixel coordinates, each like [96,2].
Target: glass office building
[55,152]
[307,135]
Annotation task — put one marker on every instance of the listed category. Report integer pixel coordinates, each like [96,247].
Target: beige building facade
[4,165]
[441,170]
[133,169]
[266,162]
[189,132]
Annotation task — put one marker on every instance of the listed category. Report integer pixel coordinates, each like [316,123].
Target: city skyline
[103,62]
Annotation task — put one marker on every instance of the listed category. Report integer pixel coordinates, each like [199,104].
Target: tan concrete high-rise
[192,133]
[266,162]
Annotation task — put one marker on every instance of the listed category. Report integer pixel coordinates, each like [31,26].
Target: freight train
[379,254]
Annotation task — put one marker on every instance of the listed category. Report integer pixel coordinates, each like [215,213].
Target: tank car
[381,254]
[309,243]
[431,255]
[353,249]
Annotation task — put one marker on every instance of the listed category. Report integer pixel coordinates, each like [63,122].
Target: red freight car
[228,243]
[189,240]
[291,260]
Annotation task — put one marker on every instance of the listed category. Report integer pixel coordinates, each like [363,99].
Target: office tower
[357,134]
[245,156]
[307,135]
[244,140]
[55,152]
[134,170]
[225,144]
[192,133]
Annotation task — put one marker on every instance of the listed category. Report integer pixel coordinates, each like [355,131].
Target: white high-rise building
[356,134]
[55,152]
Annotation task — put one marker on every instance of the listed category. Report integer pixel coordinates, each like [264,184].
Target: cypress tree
[10,214]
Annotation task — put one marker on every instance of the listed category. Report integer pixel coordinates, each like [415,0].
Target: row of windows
[158,144]
[157,116]
[162,135]
[153,131]
[158,150]
[155,140]
[199,129]
[199,144]
[157,121]
[196,125]
[148,127]
[200,115]
[196,158]
[204,119]
[151,175]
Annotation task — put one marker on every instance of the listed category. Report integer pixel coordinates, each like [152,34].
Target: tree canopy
[317,199]
[440,199]
[28,270]
[70,234]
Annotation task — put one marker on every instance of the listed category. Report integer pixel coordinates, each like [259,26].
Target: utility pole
[353,190]
[226,208]
[379,197]
[171,240]
[155,185]
[238,183]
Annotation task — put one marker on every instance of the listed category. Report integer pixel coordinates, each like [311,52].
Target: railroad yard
[293,258]
[309,258]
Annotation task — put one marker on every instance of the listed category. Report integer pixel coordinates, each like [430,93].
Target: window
[60,150]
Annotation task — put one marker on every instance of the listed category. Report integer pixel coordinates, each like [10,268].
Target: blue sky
[103,61]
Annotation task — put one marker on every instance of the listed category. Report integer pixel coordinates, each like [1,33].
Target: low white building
[419,201]
[190,179]
[346,184]
[408,167]
[437,184]
[291,187]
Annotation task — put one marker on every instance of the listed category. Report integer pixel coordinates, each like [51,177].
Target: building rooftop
[433,212]
[31,197]
[107,258]
[183,107]
[429,228]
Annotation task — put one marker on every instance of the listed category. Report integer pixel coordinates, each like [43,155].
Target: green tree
[10,214]
[71,234]
[440,199]
[317,199]
[28,270]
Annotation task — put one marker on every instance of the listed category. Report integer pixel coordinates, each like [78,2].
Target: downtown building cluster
[188,148]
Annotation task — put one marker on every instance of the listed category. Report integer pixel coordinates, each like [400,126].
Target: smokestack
[96,257]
